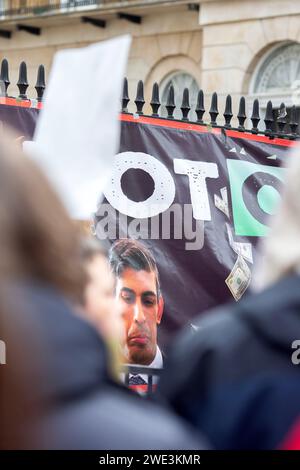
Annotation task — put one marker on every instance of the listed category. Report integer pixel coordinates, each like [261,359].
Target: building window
[277,78]
[180,81]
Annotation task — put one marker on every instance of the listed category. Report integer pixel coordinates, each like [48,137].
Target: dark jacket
[64,366]
[233,378]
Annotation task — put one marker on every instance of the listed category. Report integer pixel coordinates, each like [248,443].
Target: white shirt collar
[157,362]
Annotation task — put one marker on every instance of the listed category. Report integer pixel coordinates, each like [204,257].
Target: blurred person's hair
[128,253]
[39,242]
[280,251]
[90,247]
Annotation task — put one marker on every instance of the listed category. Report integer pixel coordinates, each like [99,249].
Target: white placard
[78,130]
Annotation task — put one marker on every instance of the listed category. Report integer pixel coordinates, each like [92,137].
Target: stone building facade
[237,47]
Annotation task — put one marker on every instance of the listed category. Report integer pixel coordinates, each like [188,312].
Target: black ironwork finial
[185,106]
[40,82]
[281,119]
[293,121]
[4,78]
[214,109]
[200,110]
[255,118]
[125,96]
[22,82]
[269,120]
[228,112]
[170,106]
[139,100]
[155,103]
[242,114]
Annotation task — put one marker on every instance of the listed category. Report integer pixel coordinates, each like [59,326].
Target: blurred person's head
[100,306]
[280,251]
[39,242]
[139,295]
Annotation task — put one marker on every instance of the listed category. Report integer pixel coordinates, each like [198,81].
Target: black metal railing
[282,123]
[22,82]
[275,123]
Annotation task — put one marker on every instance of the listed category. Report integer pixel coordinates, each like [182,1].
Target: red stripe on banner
[20,103]
[170,124]
[264,139]
[204,129]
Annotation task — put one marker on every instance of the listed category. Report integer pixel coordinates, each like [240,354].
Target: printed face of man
[141,311]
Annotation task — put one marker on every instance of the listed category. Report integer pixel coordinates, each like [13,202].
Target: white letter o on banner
[164,187]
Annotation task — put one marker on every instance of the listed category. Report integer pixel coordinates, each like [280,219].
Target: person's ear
[160,310]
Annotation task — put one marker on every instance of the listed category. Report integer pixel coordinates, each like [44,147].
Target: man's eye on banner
[255,194]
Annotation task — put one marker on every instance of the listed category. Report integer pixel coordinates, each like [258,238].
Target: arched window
[277,78]
[180,81]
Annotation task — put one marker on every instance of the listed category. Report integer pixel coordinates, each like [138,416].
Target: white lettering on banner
[197,173]
[164,187]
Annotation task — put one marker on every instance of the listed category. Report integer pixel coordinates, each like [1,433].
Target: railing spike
[242,114]
[4,77]
[40,83]
[200,110]
[281,119]
[139,100]
[125,96]
[185,106]
[214,109]
[170,106]
[255,118]
[228,112]
[293,121]
[269,120]
[155,103]
[22,82]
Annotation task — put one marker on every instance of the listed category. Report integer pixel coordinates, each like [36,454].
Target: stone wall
[220,47]
[236,34]
[162,44]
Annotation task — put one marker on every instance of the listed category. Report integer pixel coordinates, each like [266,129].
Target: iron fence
[276,123]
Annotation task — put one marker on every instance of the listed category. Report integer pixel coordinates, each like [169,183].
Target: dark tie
[136,380]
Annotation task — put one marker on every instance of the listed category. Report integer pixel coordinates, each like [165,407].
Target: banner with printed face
[197,198]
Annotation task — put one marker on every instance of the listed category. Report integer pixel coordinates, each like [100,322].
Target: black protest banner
[20,116]
[199,198]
